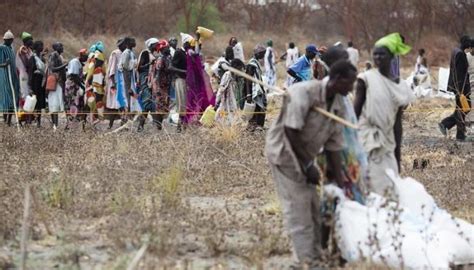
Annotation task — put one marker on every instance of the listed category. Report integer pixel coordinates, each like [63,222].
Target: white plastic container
[30,103]
[248,111]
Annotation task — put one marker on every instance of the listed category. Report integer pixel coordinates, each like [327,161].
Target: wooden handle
[282,92]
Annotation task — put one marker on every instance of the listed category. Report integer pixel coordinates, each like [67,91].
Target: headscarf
[259,48]
[394,43]
[93,48]
[150,42]
[8,35]
[82,52]
[25,36]
[186,38]
[99,45]
[270,43]
[161,45]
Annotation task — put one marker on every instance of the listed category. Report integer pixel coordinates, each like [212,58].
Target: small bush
[58,192]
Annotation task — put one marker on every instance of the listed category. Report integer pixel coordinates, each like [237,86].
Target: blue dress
[8,79]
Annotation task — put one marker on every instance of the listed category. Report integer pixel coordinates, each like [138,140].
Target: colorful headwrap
[26,35]
[259,49]
[161,45]
[270,43]
[99,45]
[93,48]
[82,52]
[394,44]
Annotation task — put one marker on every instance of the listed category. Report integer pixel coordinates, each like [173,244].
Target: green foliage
[200,15]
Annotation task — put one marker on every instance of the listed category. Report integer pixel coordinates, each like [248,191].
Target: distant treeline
[361,20]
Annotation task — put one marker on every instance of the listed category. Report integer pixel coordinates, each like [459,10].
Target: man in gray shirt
[293,142]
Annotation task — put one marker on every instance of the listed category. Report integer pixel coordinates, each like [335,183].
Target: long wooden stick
[282,92]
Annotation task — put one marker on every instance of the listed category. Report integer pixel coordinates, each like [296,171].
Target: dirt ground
[201,199]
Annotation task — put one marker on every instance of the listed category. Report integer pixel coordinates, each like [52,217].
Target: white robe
[239,52]
[383,100]
[292,56]
[110,91]
[270,67]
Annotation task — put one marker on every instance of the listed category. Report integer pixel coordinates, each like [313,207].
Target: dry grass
[203,198]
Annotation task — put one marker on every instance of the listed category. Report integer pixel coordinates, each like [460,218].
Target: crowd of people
[90,88]
[128,86]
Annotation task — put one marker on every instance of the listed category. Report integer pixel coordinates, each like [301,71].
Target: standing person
[301,70]
[292,144]
[95,86]
[320,68]
[254,92]
[37,77]
[458,83]
[163,80]
[218,67]
[238,49]
[23,55]
[179,69]
[421,62]
[353,54]
[379,103]
[9,83]
[173,42]
[270,64]
[292,55]
[470,60]
[199,93]
[112,105]
[74,91]
[146,60]
[226,101]
[134,103]
[57,68]
[127,64]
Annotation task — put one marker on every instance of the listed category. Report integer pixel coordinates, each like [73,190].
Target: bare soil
[201,199]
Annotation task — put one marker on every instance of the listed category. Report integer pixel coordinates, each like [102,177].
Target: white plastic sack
[443,77]
[422,87]
[429,236]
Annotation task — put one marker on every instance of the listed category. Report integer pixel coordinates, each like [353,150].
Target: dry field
[202,199]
